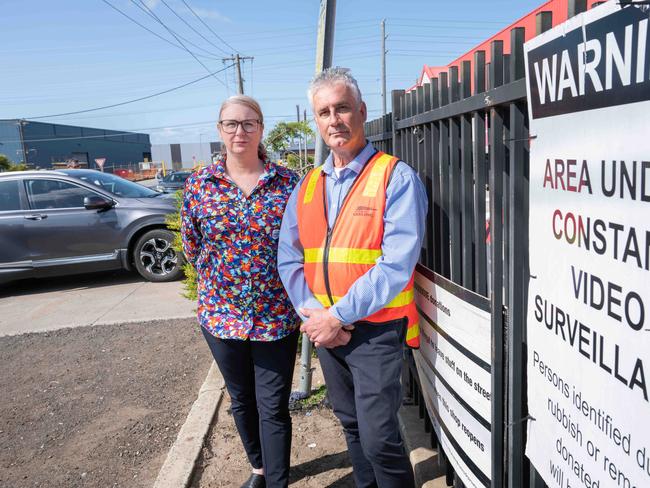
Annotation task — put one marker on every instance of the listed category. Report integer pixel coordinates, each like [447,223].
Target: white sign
[100,162]
[453,365]
[589,295]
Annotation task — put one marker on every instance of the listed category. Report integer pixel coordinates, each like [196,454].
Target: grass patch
[315,399]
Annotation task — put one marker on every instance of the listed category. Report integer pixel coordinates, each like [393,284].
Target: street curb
[423,458]
[176,472]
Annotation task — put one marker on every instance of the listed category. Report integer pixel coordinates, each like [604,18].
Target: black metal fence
[466,134]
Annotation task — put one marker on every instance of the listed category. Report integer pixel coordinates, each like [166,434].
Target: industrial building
[185,155]
[43,145]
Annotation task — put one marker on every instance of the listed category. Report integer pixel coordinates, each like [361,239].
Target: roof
[559,10]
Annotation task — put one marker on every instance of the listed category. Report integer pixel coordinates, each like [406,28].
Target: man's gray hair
[331,76]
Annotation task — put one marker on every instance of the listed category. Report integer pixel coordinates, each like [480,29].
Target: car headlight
[159,188]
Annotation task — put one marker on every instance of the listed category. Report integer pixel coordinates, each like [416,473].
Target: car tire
[155,258]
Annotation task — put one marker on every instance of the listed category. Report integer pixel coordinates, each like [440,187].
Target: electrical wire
[150,13]
[193,29]
[154,33]
[208,27]
[176,37]
[131,101]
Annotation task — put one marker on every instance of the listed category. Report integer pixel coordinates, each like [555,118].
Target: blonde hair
[253,104]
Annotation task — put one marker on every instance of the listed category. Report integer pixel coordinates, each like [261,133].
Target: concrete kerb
[177,470]
[417,443]
[179,465]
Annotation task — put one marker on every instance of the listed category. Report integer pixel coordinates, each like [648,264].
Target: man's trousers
[258,378]
[363,384]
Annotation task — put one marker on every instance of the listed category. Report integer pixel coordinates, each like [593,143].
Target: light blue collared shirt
[404,224]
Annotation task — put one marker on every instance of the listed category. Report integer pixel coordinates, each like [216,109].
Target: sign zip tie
[527,417]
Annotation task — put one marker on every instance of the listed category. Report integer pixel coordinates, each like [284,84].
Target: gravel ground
[96,406]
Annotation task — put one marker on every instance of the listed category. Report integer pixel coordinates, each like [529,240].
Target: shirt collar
[217,170]
[355,165]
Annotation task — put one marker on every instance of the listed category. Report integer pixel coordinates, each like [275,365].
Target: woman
[231,218]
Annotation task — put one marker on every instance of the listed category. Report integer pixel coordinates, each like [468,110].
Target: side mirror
[98,203]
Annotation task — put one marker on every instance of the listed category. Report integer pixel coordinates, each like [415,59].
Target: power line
[193,29]
[448,21]
[150,13]
[134,100]
[179,41]
[155,33]
[208,27]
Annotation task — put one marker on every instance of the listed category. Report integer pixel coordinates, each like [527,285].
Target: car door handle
[36,217]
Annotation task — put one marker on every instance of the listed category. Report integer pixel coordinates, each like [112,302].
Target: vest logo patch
[363,211]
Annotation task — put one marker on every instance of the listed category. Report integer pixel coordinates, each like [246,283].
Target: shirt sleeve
[190,234]
[291,259]
[404,224]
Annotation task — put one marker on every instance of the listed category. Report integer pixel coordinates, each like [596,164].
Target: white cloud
[152,4]
[210,14]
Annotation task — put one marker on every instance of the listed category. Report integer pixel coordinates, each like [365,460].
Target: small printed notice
[453,365]
[588,332]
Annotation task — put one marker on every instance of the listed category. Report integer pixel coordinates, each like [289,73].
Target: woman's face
[240,141]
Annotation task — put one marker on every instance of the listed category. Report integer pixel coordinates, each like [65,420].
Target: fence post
[396,98]
[443,160]
[454,182]
[519,274]
[467,221]
[576,7]
[497,156]
[421,163]
[480,180]
[428,177]
[543,21]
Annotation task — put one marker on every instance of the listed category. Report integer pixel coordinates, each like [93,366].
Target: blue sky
[65,55]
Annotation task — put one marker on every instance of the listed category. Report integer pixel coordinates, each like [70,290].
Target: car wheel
[155,258]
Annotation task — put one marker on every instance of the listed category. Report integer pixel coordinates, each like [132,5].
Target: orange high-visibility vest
[335,258]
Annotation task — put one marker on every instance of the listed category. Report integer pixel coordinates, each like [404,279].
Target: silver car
[173,182]
[76,220]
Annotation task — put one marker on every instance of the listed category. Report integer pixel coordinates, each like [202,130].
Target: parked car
[172,182]
[78,220]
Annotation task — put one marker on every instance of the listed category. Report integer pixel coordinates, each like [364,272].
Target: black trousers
[258,378]
[363,384]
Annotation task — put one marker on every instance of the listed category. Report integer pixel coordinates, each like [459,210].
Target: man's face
[339,117]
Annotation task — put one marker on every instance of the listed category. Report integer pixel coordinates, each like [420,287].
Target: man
[349,241]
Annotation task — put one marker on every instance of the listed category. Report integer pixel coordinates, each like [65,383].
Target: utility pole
[304,118]
[324,48]
[299,140]
[237,60]
[324,51]
[383,66]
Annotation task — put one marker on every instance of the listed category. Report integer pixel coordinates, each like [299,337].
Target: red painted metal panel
[559,10]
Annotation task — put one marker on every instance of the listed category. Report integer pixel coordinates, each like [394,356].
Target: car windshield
[116,185]
[176,177]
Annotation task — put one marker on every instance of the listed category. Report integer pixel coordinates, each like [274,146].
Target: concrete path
[90,299]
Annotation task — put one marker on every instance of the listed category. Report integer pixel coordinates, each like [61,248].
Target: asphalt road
[114,297]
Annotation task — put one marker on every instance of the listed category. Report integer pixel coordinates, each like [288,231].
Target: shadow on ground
[322,464]
[99,279]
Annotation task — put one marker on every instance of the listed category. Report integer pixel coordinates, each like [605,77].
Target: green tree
[7,165]
[280,138]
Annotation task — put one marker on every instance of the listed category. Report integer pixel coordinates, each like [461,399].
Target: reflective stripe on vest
[335,258]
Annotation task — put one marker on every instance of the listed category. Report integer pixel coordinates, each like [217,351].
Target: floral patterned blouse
[232,242]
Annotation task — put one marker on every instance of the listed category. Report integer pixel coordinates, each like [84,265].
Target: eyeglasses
[230,126]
